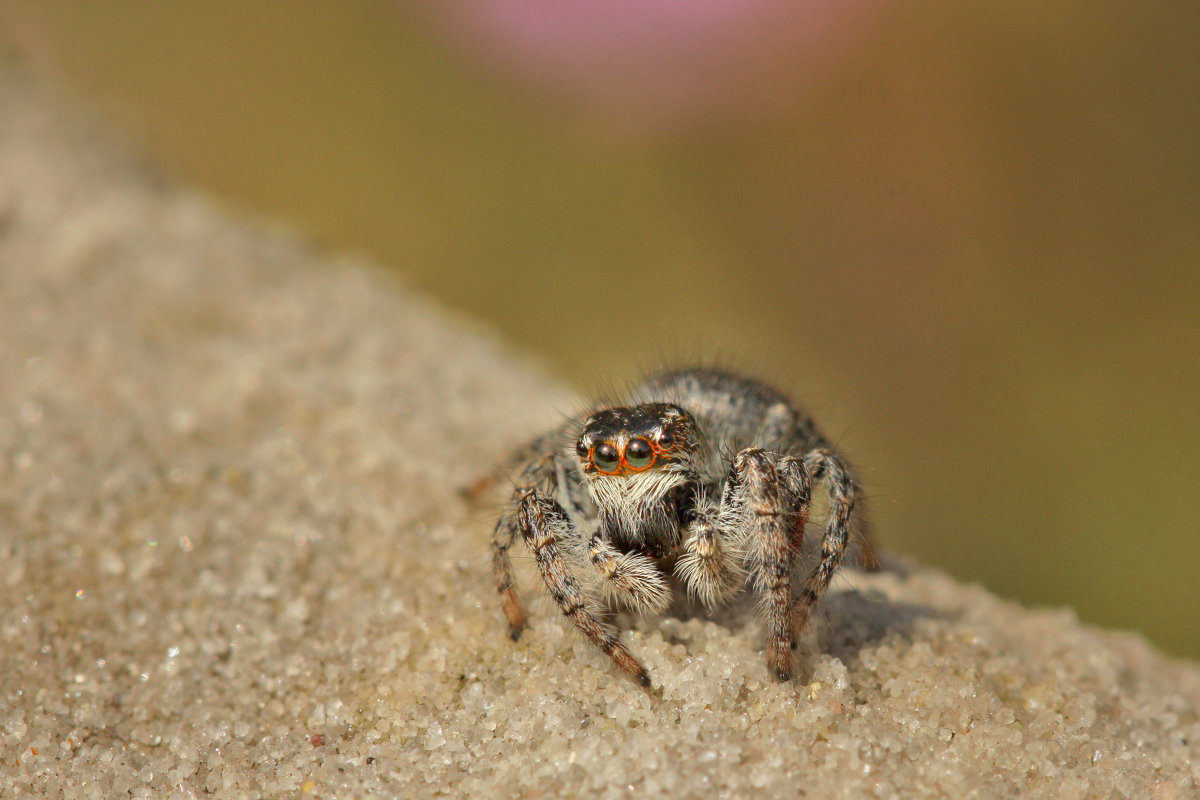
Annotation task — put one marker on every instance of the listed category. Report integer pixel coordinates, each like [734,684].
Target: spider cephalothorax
[633,460]
[702,477]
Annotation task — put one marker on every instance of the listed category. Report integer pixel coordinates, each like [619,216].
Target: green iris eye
[638,453]
[606,458]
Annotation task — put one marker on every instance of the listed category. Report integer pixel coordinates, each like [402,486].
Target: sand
[235,560]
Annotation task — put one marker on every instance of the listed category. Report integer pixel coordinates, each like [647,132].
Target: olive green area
[971,243]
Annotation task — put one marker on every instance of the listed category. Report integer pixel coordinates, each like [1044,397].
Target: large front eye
[638,453]
[606,458]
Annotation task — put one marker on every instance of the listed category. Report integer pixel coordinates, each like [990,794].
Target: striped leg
[799,485]
[502,540]
[537,472]
[826,465]
[543,525]
[759,494]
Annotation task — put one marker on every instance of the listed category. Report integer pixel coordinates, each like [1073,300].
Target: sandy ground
[234,559]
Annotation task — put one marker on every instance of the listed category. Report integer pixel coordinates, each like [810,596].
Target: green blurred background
[966,235]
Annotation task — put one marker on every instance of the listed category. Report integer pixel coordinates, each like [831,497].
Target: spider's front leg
[630,578]
[710,566]
[544,526]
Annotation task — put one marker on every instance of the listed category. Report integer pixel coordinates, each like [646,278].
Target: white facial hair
[634,501]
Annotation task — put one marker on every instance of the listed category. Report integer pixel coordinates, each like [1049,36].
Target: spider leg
[784,423]
[710,566]
[760,496]
[799,484]
[827,465]
[502,540]
[631,577]
[543,526]
[538,472]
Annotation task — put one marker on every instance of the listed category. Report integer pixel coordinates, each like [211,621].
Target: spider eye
[665,438]
[639,453]
[581,448]
[606,458]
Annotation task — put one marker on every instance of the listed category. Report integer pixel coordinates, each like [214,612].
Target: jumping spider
[702,477]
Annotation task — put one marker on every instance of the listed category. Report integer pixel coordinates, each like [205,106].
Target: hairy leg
[711,564]
[502,539]
[536,473]
[785,423]
[828,466]
[631,578]
[799,486]
[543,525]
[759,494]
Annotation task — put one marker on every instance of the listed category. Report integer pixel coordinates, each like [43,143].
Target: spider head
[627,441]
[633,458]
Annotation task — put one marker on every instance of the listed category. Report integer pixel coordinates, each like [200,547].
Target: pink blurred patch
[659,56]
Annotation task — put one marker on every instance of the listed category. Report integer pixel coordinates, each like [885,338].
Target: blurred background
[966,235]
